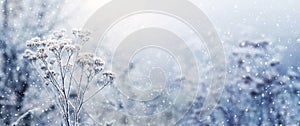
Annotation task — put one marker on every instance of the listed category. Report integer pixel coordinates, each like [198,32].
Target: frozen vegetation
[45,79]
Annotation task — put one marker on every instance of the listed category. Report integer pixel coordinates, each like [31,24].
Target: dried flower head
[29,54]
[99,62]
[82,35]
[85,59]
[70,48]
[109,76]
[34,42]
[54,47]
[59,34]
[98,69]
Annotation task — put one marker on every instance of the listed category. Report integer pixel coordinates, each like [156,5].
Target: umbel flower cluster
[67,71]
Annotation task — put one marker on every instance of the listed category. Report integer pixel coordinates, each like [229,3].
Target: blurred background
[261,40]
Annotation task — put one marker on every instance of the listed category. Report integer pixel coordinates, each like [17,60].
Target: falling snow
[261,40]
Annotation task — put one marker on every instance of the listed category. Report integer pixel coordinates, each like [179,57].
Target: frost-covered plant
[258,92]
[67,71]
[19,22]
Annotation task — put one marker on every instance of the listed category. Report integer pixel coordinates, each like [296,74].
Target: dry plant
[68,72]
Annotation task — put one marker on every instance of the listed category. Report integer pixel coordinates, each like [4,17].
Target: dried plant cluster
[67,71]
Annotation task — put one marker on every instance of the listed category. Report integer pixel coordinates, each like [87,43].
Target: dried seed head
[30,55]
[85,59]
[70,48]
[99,62]
[98,69]
[33,42]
